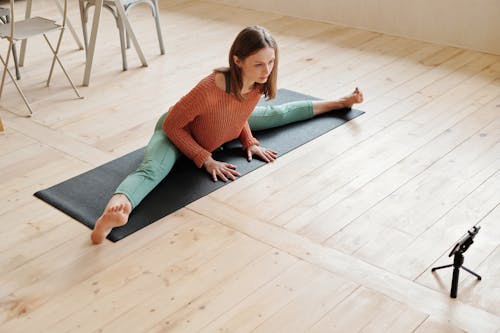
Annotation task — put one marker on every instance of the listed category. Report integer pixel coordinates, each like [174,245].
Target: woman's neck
[247,87]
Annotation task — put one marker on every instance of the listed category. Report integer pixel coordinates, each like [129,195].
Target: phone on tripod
[458,258]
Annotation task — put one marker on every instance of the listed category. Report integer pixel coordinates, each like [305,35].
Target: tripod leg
[476,275]
[436,268]
[454,282]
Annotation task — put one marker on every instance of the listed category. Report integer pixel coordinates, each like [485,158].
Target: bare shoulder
[220,81]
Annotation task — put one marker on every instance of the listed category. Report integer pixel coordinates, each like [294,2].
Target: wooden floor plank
[321,295]
[171,296]
[262,304]
[193,245]
[213,303]
[337,235]
[367,311]
[320,226]
[397,211]
[434,326]
[421,298]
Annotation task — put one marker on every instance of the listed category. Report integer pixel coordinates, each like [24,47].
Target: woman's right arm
[176,123]
[175,127]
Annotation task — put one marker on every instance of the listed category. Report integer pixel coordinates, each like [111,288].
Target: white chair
[25,29]
[127,4]
[5,18]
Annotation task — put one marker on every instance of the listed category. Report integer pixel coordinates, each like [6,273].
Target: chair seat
[107,2]
[29,28]
[125,3]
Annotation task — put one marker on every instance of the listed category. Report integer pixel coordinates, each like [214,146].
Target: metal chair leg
[83,18]
[56,58]
[16,64]
[14,52]
[156,13]
[70,26]
[121,31]
[7,71]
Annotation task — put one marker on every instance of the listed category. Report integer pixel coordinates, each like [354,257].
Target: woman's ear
[236,60]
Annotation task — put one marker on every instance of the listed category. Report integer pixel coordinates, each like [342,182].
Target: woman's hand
[222,170]
[267,155]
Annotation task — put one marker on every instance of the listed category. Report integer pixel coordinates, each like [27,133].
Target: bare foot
[348,101]
[354,98]
[113,216]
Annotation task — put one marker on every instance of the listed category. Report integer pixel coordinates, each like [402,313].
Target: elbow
[167,127]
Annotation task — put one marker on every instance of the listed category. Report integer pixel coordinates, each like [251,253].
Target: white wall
[472,24]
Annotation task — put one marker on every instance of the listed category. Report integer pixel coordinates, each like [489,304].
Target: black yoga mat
[85,196]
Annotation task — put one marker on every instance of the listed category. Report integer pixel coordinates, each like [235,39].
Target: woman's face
[258,66]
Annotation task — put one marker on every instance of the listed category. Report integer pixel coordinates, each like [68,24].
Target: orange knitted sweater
[208,117]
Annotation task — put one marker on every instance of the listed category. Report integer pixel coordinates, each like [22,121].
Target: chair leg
[127,37]
[83,17]
[55,54]
[16,64]
[125,9]
[156,13]
[7,71]
[119,24]
[70,26]
[121,31]
[60,63]
[14,53]
[24,42]
[5,66]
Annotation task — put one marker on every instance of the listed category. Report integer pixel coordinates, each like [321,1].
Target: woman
[220,108]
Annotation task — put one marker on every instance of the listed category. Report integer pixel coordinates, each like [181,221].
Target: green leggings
[161,154]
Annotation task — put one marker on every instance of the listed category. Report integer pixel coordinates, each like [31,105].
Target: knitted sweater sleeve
[246,138]
[176,123]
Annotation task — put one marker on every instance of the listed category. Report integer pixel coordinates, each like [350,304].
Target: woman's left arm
[252,147]
[246,137]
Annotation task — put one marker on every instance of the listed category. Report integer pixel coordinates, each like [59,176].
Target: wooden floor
[336,236]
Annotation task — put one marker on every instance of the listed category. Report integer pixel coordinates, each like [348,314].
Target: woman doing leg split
[220,108]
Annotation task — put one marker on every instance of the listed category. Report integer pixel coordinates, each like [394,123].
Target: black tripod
[458,259]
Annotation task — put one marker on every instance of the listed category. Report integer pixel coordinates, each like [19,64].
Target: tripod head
[463,244]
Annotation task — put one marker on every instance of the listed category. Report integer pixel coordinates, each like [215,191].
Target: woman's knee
[154,170]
